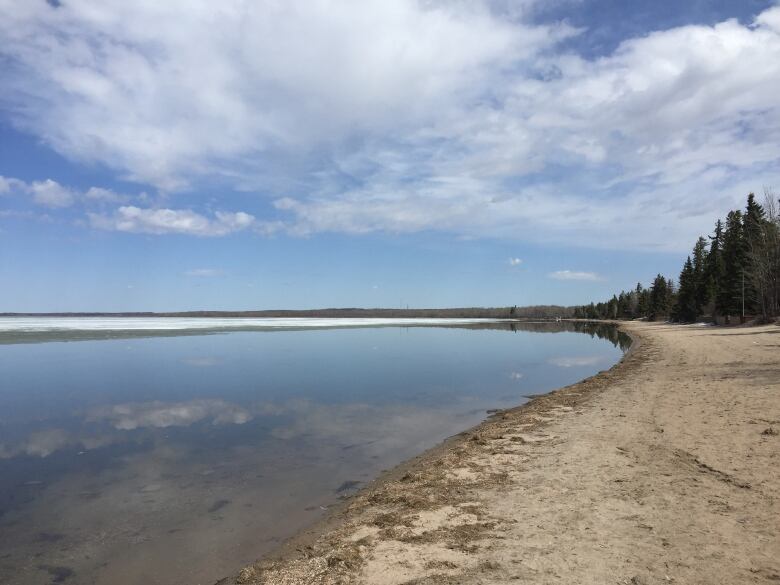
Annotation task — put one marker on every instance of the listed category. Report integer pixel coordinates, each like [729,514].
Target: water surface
[174,455]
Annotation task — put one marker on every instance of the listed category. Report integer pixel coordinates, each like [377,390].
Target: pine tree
[642,304]
[700,285]
[771,257]
[755,216]
[633,302]
[729,295]
[754,231]
[739,273]
[659,298]
[624,305]
[685,308]
[713,271]
[671,295]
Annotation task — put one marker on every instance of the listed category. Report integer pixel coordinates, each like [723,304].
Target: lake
[175,451]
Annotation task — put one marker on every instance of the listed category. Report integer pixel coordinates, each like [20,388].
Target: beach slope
[665,469]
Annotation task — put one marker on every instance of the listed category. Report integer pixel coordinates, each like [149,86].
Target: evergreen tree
[671,292]
[685,308]
[739,272]
[755,243]
[646,303]
[754,218]
[713,270]
[729,294]
[641,301]
[771,259]
[633,304]
[624,305]
[659,298]
[701,289]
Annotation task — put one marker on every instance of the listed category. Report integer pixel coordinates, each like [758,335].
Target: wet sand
[663,469]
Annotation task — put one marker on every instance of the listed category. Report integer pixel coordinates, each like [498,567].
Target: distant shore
[530,312]
[660,470]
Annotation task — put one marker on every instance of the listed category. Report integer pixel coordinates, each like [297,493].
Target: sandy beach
[664,469]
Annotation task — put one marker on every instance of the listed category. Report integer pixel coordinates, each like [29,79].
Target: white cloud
[50,193]
[171,221]
[7,185]
[515,261]
[407,116]
[106,195]
[574,275]
[643,123]
[770,19]
[120,83]
[12,186]
[129,218]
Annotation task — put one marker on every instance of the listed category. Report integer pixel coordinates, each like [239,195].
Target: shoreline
[464,510]
[300,545]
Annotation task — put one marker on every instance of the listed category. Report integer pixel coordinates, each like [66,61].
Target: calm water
[174,458]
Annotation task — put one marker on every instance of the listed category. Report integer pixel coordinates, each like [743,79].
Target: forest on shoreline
[734,273]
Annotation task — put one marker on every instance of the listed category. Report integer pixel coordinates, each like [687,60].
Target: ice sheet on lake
[53,324]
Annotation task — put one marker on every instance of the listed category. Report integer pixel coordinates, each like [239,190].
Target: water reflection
[176,459]
[157,414]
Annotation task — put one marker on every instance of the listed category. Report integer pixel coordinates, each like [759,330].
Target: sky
[179,155]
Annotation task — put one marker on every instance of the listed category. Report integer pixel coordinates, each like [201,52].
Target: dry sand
[664,469]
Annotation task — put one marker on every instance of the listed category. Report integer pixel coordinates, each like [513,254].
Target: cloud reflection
[39,444]
[377,429]
[573,362]
[127,417]
[134,415]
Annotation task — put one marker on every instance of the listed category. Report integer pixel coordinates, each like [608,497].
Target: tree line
[732,273]
[516,312]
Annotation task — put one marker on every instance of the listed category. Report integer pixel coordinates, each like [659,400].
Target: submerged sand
[664,469]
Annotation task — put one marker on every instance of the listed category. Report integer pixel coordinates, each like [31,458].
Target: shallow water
[143,458]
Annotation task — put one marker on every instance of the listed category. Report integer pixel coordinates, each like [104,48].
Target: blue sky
[252,155]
